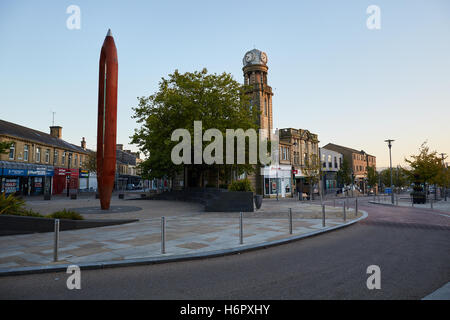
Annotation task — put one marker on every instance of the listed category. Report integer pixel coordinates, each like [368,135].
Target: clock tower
[255,75]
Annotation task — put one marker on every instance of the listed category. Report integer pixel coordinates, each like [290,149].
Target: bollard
[356,207]
[163,235]
[290,220]
[241,231]
[345,215]
[431,203]
[55,249]
[323,216]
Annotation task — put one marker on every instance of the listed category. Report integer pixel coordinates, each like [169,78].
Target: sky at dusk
[330,74]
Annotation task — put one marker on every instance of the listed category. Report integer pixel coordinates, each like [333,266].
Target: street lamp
[389,141]
[445,181]
[367,170]
[69,172]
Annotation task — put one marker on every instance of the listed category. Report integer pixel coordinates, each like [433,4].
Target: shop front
[14,181]
[40,180]
[64,178]
[25,179]
[277,181]
[84,179]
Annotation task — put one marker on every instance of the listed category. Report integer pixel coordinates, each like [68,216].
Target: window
[12,150]
[265,106]
[47,156]
[81,160]
[76,160]
[69,163]
[55,157]
[335,163]
[25,152]
[329,162]
[38,154]
[63,158]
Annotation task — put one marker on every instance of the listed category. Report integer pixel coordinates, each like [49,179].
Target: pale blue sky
[330,74]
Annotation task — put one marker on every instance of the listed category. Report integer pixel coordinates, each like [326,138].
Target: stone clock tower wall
[255,76]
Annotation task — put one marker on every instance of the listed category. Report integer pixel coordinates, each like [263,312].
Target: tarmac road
[411,246]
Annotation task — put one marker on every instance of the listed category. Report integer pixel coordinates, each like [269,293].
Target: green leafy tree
[372,176]
[426,167]
[4,146]
[217,100]
[312,171]
[344,174]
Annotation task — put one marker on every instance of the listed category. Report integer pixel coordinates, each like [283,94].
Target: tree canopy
[426,167]
[217,100]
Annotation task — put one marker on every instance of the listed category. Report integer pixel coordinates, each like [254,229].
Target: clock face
[249,57]
[263,57]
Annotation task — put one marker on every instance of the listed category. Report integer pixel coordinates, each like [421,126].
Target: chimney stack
[56,132]
[83,144]
[119,146]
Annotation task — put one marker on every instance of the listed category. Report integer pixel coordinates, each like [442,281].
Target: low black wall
[231,201]
[10,225]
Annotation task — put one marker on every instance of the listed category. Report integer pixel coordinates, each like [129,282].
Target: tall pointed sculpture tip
[109,34]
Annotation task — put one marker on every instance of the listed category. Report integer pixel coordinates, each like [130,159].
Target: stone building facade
[39,161]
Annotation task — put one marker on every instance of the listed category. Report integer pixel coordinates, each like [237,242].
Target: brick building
[358,161]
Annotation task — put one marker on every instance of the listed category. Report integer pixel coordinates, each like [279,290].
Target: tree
[217,100]
[372,176]
[426,167]
[312,171]
[91,163]
[344,174]
[5,145]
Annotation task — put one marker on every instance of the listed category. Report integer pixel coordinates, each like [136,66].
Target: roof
[15,130]
[344,148]
[123,157]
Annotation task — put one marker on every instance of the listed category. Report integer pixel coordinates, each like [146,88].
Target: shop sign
[14,172]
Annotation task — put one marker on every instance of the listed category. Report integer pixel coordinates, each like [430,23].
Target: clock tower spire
[255,74]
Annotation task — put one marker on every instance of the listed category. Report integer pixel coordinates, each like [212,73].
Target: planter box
[231,201]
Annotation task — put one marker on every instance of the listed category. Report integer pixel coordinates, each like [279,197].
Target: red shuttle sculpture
[107,121]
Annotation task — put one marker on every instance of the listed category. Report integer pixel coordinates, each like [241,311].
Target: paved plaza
[189,230]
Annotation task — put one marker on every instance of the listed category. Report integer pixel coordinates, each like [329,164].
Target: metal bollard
[163,235]
[431,203]
[345,215]
[323,216]
[241,231]
[55,249]
[290,220]
[356,207]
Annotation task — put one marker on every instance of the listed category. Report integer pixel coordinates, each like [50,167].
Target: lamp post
[69,173]
[367,170]
[389,141]
[445,182]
